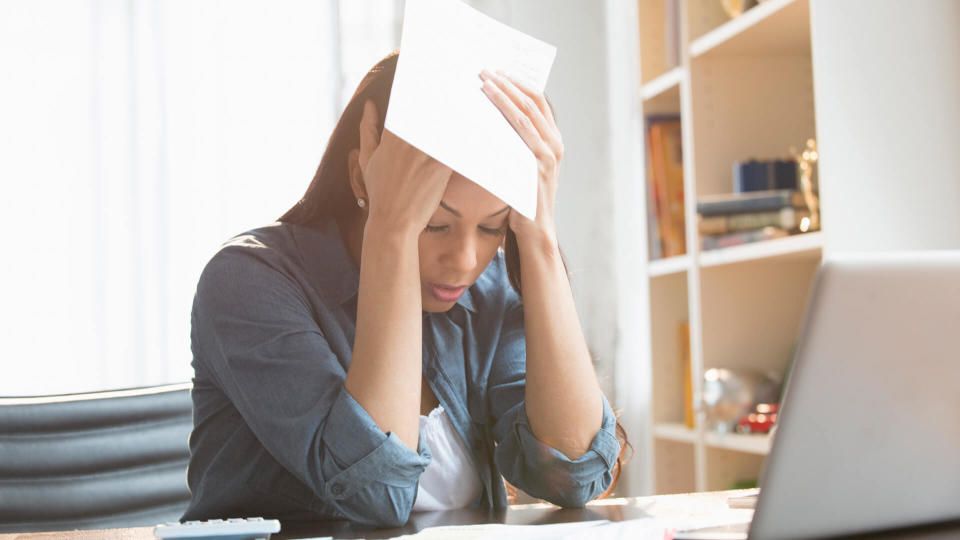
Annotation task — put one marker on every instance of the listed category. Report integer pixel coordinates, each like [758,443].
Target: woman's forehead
[470,199]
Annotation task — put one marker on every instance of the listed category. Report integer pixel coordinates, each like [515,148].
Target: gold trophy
[805,162]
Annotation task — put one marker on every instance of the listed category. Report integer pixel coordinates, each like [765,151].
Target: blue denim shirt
[277,435]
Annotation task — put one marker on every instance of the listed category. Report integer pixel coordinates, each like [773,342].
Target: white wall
[136,137]
[887,91]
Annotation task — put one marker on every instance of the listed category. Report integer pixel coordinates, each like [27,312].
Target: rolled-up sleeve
[258,336]
[370,456]
[526,462]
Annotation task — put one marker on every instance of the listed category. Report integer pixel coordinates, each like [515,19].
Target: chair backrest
[96,460]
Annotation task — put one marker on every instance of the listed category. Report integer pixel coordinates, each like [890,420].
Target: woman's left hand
[529,113]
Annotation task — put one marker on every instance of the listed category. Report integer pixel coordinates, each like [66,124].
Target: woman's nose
[462,254]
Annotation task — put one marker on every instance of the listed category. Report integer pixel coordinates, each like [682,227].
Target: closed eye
[485,230]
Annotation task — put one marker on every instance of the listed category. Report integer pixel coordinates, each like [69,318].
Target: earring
[362,203]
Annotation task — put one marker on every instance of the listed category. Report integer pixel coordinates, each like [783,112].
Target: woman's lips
[447,293]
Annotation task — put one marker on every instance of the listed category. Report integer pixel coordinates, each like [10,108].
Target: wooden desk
[696,504]
[529,514]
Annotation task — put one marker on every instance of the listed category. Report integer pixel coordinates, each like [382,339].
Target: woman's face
[459,242]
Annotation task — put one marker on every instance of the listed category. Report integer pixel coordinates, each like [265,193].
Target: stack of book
[740,218]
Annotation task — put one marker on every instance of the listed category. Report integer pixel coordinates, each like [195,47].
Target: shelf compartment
[670,265]
[657,38]
[661,96]
[672,431]
[668,315]
[664,83]
[805,245]
[755,107]
[729,469]
[752,444]
[776,27]
[752,313]
[673,467]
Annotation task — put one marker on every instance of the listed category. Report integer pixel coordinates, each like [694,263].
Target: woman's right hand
[404,185]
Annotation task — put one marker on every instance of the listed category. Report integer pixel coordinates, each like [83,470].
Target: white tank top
[451,480]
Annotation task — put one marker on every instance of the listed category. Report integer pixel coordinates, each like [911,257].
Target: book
[740,237]
[753,175]
[784,174]
[754,201]
[655,239]
[785,218]
[666,164]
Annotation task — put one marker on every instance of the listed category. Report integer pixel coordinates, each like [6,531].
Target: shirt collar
[467,300]
[330,266]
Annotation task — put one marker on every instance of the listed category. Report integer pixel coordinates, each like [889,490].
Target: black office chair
[96,460]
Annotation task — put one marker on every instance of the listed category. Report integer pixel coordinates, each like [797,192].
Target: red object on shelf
[763,417]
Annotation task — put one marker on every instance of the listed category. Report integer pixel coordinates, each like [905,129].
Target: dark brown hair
[329,194]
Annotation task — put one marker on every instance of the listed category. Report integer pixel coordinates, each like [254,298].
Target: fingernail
[484,74]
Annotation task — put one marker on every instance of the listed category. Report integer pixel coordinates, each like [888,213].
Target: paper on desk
[499,531]
[650,528]
[436,103]
[659,528]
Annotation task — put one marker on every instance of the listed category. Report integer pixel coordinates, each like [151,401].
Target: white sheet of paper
[436,103]
[498,531]
[648,528]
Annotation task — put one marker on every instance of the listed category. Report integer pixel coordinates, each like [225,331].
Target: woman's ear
[358,157]
[357,186]
[369,134]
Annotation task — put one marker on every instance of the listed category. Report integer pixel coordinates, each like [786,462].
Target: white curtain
[135,137]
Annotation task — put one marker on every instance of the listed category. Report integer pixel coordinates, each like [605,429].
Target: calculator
[255,528]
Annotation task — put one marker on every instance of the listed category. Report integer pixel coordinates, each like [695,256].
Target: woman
[415,382]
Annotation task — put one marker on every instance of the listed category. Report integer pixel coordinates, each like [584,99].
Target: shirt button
[337,489]
[431,373]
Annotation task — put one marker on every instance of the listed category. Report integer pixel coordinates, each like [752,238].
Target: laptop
[868,437]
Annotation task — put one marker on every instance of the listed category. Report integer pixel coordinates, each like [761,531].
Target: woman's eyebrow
[458,214]
[500,211]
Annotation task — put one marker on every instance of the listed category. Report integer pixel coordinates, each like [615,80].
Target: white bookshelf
[808,245]
[758,444]
[669,265]
[771,27]
[673,431]
[662,85]
[743,89]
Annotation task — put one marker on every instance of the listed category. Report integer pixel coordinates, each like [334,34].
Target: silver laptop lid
[869,435]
